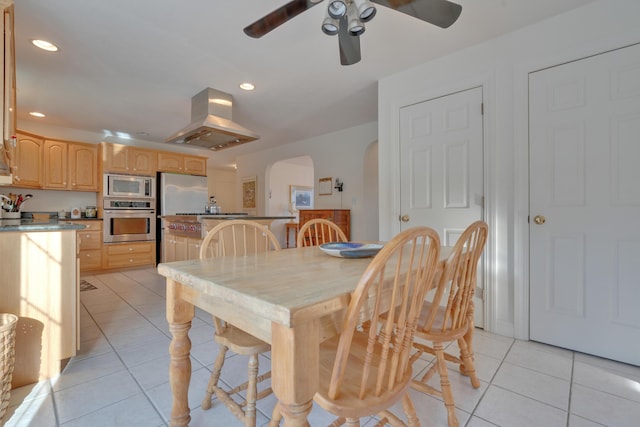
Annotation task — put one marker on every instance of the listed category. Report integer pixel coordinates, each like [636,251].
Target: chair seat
[348,404]
[241,342]
[436,333]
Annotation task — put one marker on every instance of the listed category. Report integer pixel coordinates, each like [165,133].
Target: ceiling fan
[346,18]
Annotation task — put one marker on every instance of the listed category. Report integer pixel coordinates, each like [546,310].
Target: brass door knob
[539,219]
[404,218]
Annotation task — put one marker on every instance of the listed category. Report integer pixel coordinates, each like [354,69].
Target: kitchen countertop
[27,224]
[198,218]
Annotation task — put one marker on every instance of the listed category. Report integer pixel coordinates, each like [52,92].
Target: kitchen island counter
[39,284]
[27,224]
[203,216]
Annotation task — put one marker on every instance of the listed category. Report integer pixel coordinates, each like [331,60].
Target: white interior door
[584,147]
[441,178]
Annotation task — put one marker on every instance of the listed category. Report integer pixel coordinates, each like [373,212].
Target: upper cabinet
[54,164]
[83,167]
[126,159]
[70,166]
[27,161]
[181,163]
[8,92]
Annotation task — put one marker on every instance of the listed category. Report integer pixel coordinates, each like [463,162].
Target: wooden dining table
[293,299]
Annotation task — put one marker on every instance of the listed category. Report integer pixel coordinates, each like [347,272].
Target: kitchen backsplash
[52,200]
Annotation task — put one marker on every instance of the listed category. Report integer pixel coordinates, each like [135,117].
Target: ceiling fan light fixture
[366,10]
[337,9]
[330,26]
[355,25]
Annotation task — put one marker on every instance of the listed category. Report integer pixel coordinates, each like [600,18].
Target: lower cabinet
[90,245]
[180,248]
[134,254]
[39,284]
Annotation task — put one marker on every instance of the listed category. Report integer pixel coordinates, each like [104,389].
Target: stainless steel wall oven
[129,220]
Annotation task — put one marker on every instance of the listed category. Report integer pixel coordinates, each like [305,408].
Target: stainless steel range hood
[211,125]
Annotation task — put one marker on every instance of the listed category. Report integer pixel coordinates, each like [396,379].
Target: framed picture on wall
[324,187]
[301,197]
[249,192]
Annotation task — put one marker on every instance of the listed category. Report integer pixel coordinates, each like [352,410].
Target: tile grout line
[115,351]
[490,383]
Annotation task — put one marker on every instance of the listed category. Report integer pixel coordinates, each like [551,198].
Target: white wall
[501,66]
[222,185]
[339,154]
[299,172]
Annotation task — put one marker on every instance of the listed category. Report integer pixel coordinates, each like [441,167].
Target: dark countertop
[200,217]
[26,224]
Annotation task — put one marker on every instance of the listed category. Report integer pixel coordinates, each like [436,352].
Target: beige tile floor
[120,376]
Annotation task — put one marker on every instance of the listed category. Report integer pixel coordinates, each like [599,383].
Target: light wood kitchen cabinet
[83,167]
[134,254]
[70,166]
[341,217]
[126,159]
[39,283]
[180,248]
[27,161]
[8,93]
[90,245]
[181,163]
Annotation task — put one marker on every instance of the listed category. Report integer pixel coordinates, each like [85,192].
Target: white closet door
[441,155]
[584,146]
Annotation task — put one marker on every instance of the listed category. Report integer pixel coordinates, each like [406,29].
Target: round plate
[350,249]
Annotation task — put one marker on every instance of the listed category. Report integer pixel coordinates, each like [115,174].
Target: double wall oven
[129,213]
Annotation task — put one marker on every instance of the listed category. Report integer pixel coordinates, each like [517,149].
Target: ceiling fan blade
[278,17]
[442,13]
[349,45]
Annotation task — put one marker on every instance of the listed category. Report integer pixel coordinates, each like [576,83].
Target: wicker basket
[7,358]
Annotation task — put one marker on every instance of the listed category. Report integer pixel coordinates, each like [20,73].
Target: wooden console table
[295,227]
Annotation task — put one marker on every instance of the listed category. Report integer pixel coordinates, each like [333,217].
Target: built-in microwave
[128,186]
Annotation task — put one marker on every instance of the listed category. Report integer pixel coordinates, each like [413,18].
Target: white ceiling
[133,65]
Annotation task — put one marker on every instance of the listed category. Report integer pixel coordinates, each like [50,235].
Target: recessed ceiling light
[247,86]
[45,45]
[36,114]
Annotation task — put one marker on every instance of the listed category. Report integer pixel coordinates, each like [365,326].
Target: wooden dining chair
[238,238]
[366,369]
[448,317]
[318,231]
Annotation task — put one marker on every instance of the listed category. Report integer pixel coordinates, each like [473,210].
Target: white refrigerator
[176,194]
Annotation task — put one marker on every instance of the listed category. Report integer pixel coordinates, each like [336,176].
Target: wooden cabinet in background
[134,254]
[70,166]
[90,245]
[341,217]
[27,161]
[180,248]
[180,163]
[126,159]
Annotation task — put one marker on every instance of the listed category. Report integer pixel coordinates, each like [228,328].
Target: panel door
[441,178]
[56,164]
[84,167]
[585,205]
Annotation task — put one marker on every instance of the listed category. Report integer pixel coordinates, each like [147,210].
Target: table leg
[294,367]
[287,233]
[179,316]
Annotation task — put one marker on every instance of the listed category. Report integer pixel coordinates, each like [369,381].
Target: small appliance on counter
[90,212]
